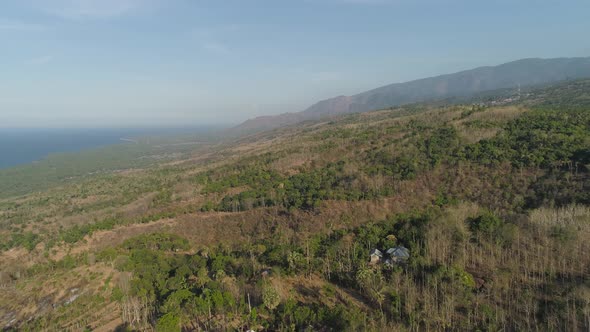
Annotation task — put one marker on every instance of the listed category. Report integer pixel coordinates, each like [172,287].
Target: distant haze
[524,72]
[130,63]
[25,146]
[22,146]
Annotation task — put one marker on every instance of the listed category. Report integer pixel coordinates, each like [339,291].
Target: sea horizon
[24,146]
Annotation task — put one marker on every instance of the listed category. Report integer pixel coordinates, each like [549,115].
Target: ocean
[24,146]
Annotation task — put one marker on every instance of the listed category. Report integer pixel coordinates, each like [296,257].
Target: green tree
[270,297]
[168,323]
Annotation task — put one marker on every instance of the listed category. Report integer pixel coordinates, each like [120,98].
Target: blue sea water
[23,146]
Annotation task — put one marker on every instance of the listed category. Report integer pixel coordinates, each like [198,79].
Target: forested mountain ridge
[524,72]
[274,230]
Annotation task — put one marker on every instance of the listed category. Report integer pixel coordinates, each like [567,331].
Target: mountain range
[524,72]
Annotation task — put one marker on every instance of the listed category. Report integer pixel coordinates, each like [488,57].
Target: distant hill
[523,72]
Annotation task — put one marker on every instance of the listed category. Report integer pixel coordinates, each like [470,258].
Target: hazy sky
[169,62]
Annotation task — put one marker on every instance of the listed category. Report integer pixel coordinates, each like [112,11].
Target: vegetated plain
[273,230]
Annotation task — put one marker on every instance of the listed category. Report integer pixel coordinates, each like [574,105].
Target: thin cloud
[90,9]
[355,2]
[217,48]
[325,76]
[15,25]
[367,2]
[42,60]
[209,37]
[213,31]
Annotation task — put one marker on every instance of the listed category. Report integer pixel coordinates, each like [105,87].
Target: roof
[400,251]
[376,252]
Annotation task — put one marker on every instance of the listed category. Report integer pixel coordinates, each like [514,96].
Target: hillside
[523,72]
[273,230]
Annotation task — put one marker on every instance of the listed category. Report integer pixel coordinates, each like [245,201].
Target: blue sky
[190,62]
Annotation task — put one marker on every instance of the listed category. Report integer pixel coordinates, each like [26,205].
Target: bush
[168,323]
[486,224]
[270,297]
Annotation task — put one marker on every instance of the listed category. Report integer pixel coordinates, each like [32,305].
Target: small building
[376,256]
[398,254]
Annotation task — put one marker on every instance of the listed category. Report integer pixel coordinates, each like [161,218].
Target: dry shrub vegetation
[273,231]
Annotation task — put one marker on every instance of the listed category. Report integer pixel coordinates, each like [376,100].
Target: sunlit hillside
[278,230]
